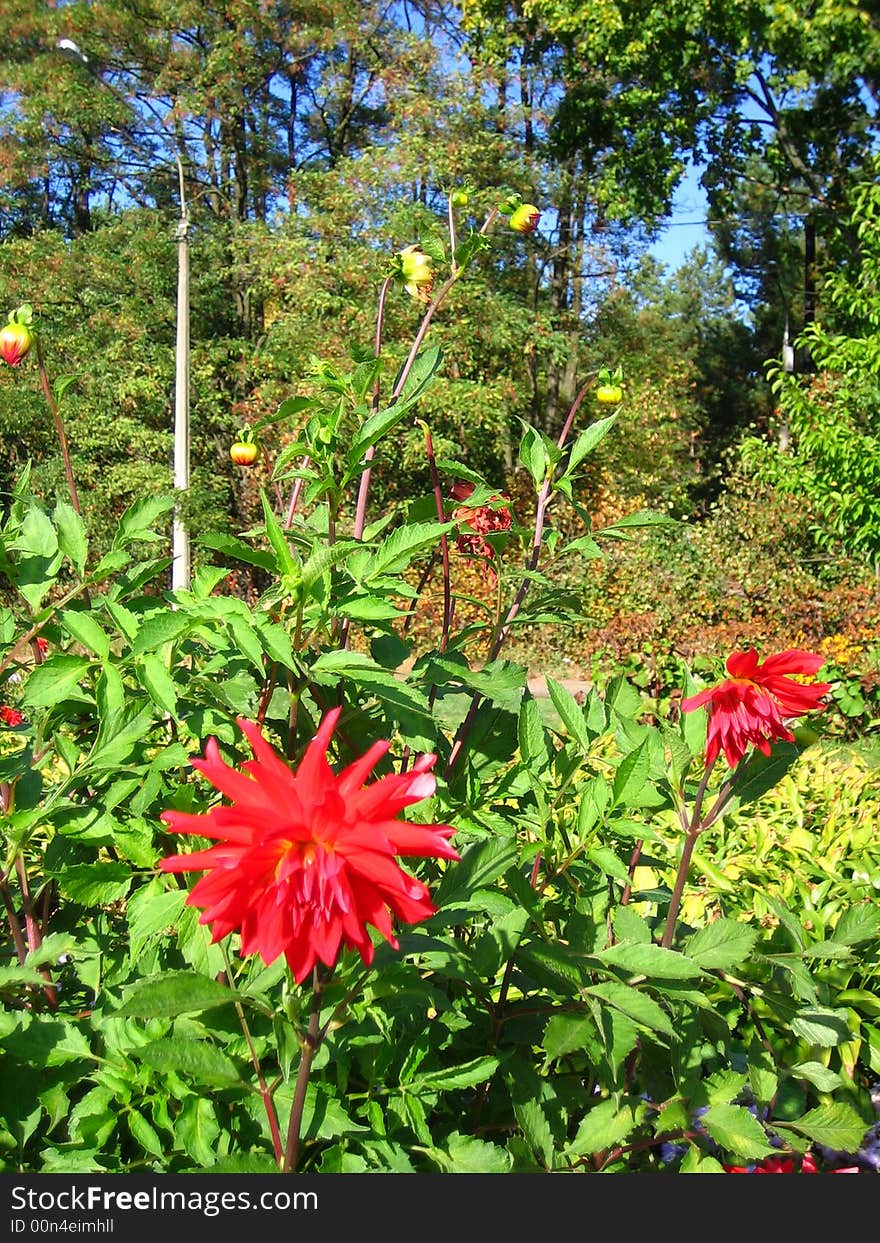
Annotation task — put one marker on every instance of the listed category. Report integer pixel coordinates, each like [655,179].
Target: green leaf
[197,1129]
[836,1126]
[54,680]
[71,536]
[554,965]
[570,713]
[722,945]
[631,776]
[652,961]
[533,454]
[136,524]
[481,863]
[629,925]
[567,1033]
[761,773]
[238,549]
[394,555]
[158,629]
[588,439]
[466,1154]
[83,627]
[532,738]
[603,1127]
[635,1004]
[94,884]
[15,976]
[821,1077]
[144,1133]
[286,565]
[466,1075]
[173,993]
[737,1131]
[826,1028]
[157,681]
[150,910]
[119,732]
[857,924]
[196,1059]
[380,423]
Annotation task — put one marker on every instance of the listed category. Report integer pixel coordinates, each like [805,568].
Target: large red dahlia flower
[753,704]
[305,859]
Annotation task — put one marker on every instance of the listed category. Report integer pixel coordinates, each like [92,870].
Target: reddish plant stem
[630,871]
[426,574]
[504,630]
[444,542]
[360,516]
[59,424]
[433,307]
[266,693]
[18,940]
[310,1046]
[32,928]
[295,493]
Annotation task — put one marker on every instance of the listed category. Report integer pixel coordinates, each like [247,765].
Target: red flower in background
[10,716]
[480,520]
[305,859]
[753,704]
[785,1165]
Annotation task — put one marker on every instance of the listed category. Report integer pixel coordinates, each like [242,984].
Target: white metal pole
[180,548]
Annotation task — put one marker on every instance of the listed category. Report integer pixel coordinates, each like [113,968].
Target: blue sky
[686,228]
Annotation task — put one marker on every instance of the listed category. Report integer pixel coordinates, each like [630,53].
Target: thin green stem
[265,1094]
[694,829]
[59,424]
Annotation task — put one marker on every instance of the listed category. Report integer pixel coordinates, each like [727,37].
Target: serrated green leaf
[72,538]
[158,629]
[636,1005]
[157,681]
[397,551]
[857,924]
[445,1079]
[588,439]
[94,884]
[652,961]
[631,776]
[481,863]
[197,1129]
[234,547]
[570,713]
[722,945]
[604,1126]
[826,1028]
[737,1131]
[196,1059]
[173,993]
[83,627]
[54,680]
[821,1077]
[836,1126]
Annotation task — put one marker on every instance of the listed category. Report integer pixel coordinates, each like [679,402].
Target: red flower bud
[525,218]
[15,342]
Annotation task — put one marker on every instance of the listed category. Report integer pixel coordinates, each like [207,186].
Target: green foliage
[561,1010]
[834,462]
